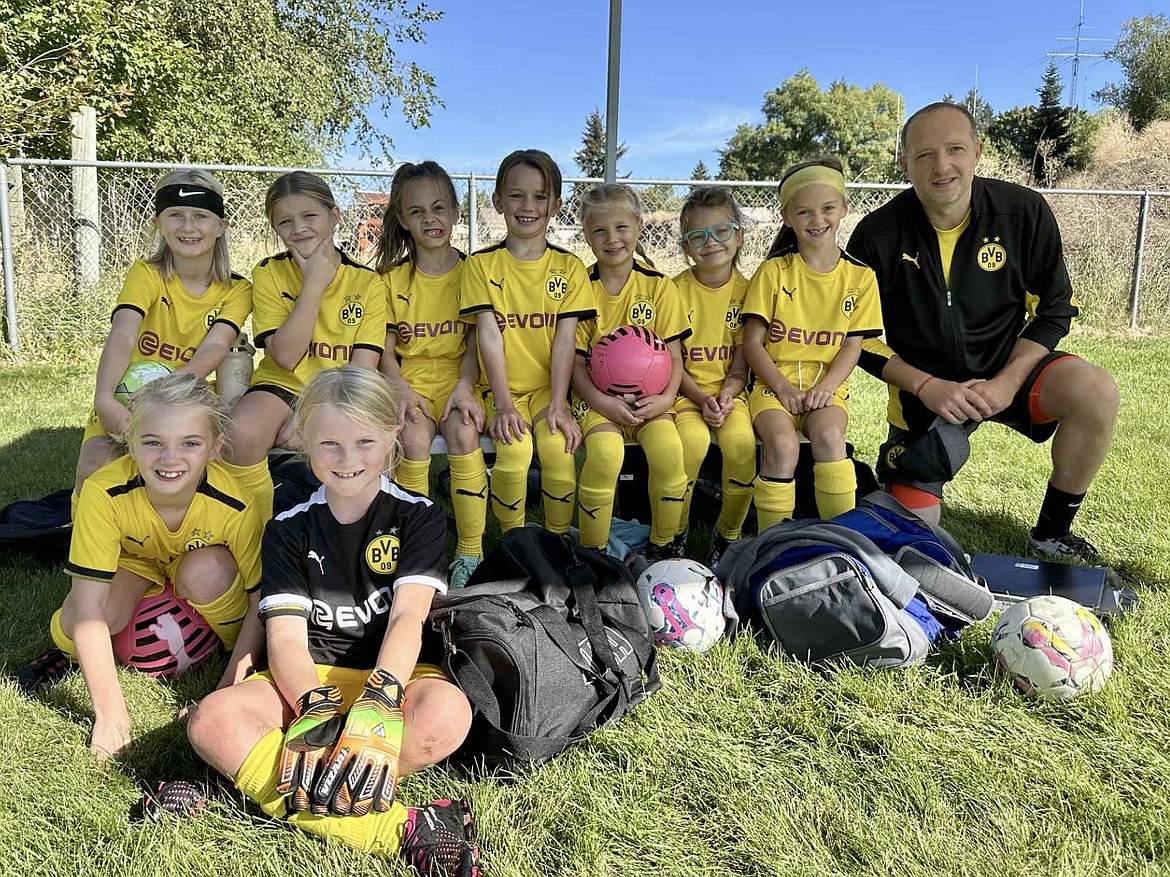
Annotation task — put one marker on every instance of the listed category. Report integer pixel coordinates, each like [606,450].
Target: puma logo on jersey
[498,284]
[165,301]
[906,257]
[788,292]
[141,543]
[405,298]
[287,295]
[313,555]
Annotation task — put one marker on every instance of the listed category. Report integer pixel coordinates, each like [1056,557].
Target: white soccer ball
[1052,648]
[683,602]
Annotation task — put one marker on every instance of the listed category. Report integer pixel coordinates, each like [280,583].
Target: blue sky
[694,69]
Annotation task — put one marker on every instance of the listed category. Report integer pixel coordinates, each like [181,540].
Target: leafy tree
[238,81]
[857,125]
[1144,54]
[590,157]
[700,171]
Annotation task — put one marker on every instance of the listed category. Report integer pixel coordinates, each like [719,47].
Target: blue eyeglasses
[697,238]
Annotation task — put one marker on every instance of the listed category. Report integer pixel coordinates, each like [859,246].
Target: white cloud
[705,129]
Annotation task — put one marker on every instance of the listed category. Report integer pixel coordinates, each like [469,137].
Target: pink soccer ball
[630,360]
[165,636]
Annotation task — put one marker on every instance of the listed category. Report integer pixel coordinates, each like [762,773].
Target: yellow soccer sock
[775,500]
[257,480]
[377,833]
[695,436]
[225,614]
[61,639]
[604,452]
[737,443]
[835,485]
[469,499]
[558,478]
[414,475]
[509,482]
[667,481]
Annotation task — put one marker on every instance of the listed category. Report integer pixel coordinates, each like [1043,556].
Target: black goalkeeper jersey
[341,577]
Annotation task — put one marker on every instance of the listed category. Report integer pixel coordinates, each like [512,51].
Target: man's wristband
[925,381]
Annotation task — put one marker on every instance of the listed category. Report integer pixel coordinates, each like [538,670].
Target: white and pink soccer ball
[1052,648]
[683,602]
[630,361]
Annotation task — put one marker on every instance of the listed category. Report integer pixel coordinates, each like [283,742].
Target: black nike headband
[188,195]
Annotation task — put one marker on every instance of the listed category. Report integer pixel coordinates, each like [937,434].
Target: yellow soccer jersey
[809,314]
[716,320]
[528,299]
[116,525]
[352,316]
[648,299]
[175,322]
[423,312]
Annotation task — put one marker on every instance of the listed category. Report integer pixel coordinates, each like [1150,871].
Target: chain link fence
[62,291]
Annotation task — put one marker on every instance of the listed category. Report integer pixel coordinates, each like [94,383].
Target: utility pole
[1077,54]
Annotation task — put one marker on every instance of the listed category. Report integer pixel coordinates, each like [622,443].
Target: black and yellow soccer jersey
[352,316]
[528,298]
[648,299]
[174,321]
[115,525]
[423,312]
[716,320]
[341,578]
[810,314]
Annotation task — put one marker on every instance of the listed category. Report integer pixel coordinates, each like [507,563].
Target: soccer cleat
[176,796]
[655,553]
[439,840]
[678,545]
[1069,548]
[719,545]
[52,666]
[460,571]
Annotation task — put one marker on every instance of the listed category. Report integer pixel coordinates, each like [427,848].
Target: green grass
[743,764]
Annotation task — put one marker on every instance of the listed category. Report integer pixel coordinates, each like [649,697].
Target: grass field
[744,764]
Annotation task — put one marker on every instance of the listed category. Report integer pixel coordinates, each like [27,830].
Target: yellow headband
[806,176]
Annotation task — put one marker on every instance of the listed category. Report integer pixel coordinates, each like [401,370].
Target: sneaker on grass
[460,570]
[439,840]
[1069,548]
[47,668]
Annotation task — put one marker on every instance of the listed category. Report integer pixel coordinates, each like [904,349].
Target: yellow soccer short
[350,682]
[529,405]
[763,399]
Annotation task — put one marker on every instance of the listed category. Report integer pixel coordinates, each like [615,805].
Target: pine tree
[1051,135]
[590,157]
[700,172]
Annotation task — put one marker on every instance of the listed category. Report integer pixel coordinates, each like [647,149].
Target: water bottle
[235,372]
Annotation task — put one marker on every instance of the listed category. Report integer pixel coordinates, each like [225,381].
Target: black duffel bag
[548,641]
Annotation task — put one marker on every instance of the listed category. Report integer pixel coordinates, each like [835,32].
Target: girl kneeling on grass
[182,308]
[345,707]
[808,307]
[627,292]
[430,351]
[165,519]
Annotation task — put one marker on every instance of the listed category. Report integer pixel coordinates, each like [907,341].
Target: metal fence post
[472,214]
[1135,287]
[6,254]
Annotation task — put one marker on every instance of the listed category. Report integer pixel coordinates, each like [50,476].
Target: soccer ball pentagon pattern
[137,376]
[683,602]
[630,360]
[1052,648]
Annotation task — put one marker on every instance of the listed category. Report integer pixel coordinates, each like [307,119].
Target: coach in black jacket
[975,298]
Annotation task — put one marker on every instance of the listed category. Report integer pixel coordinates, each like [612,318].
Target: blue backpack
[875,586]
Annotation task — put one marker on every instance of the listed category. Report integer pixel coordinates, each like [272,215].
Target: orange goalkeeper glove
[316,723]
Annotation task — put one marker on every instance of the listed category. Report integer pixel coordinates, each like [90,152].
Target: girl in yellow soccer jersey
[711,395]
[345,706]
[181,308]
[808,307]
[167,515]
[430,352]
[525,297]
[315,308]
[627,292]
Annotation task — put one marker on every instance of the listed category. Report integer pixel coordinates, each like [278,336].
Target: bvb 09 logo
[734,316]
[382,554]
[351,311]
[849,303]
[558,284]
[209,317]
[641,313]
[991,257]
